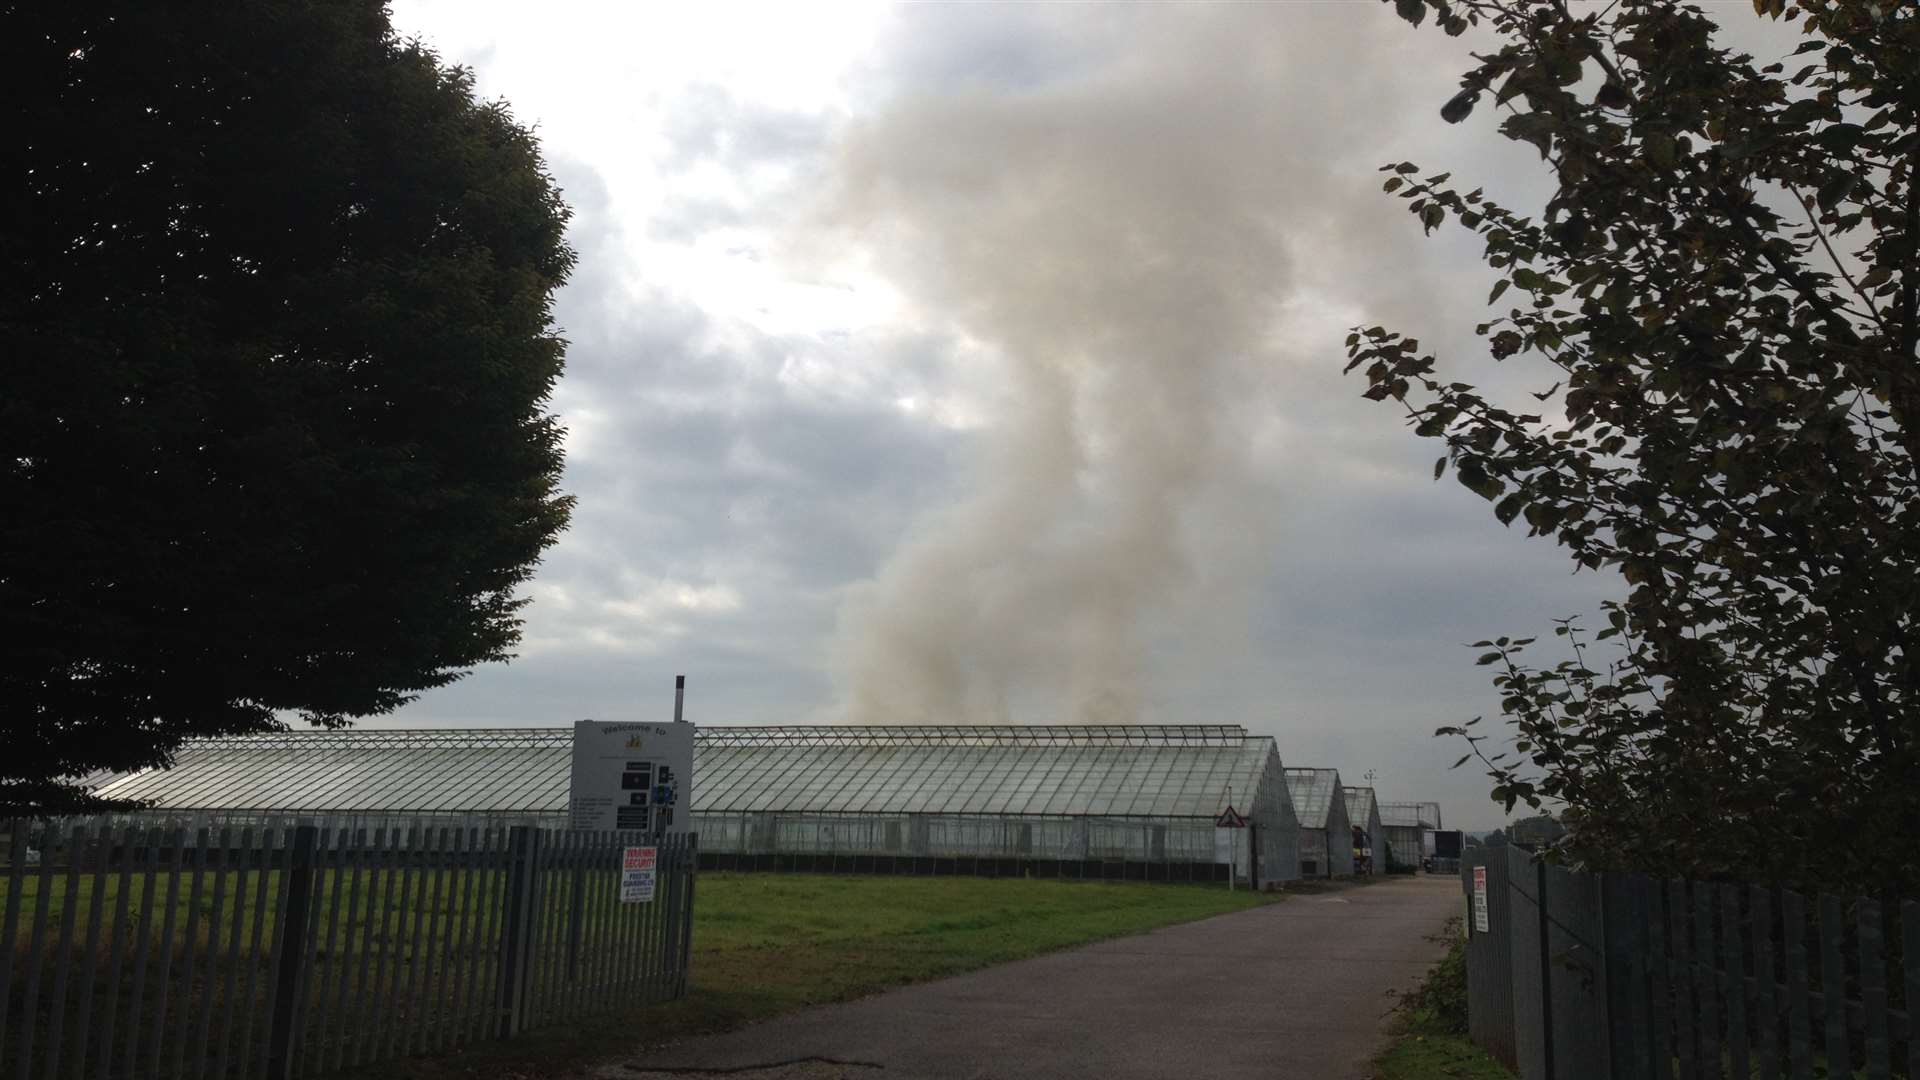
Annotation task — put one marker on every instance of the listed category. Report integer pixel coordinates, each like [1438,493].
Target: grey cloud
[721,508]
[947,47]
[710,123]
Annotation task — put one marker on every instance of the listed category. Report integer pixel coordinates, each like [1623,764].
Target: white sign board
[1480,899]
[632,777]
[637,875]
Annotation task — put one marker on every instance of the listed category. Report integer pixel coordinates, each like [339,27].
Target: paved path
[1292,991]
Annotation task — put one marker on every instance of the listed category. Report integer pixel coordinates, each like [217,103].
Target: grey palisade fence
[1615,975]
[279,950]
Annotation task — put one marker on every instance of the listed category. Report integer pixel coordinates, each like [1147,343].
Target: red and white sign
[1230,819]
[1480,899]
[637,878]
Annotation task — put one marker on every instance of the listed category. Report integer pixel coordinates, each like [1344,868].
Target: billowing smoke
[1116,234]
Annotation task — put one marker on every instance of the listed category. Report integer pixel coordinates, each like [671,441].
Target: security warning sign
[1480,900]
[637,875]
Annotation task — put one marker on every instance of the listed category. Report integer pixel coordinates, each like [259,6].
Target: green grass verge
[1431,1041]
[764,944]
[1435,1055]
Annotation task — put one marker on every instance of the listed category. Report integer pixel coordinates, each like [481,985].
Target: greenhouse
[1406,834]
[1326,840]
[1430,820]
[1363,810]
[1114,801]
[1133,801]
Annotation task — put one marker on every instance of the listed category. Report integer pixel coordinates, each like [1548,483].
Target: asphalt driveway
[1297,990]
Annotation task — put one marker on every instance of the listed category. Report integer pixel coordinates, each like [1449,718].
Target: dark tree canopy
[278,345]
[1724,294]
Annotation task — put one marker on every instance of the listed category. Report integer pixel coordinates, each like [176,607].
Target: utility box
[631,777]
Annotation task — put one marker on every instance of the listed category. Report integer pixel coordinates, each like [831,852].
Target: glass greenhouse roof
[1359,804]
[1406,815]
[507,770]
[1137,770]
[1313,794]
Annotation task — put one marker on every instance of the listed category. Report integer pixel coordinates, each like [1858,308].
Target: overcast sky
[975,362]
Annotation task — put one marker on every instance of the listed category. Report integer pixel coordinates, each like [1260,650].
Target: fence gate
[278,951]
[1588,976]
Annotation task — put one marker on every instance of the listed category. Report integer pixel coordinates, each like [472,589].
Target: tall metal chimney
[679,695]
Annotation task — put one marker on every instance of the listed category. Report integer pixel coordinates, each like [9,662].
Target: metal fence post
[690,853]
[292,955]
[1624,975]
[576,918]
[517,928]
[1546,963]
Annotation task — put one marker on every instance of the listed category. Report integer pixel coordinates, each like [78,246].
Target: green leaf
[1659,149]
[1459,106]
[1499,287]
[1837,187]
[1487,658]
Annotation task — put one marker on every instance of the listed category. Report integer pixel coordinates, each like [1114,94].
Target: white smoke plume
[1118,234]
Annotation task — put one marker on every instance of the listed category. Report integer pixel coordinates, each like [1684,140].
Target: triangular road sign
[1230,819]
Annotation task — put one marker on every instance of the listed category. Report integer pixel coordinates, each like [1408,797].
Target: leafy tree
[1723,288]
[1539,830]
[278,343]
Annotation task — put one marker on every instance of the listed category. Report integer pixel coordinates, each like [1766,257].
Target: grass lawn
[764,944]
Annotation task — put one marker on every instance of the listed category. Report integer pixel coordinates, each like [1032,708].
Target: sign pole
[1230,818]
